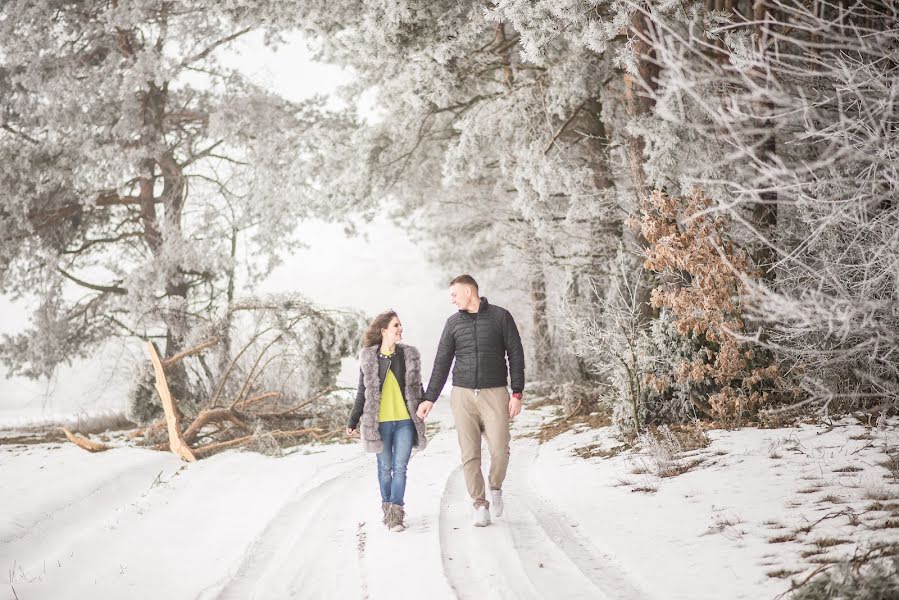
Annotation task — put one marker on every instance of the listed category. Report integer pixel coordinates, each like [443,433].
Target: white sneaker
[481,516]
[496,503]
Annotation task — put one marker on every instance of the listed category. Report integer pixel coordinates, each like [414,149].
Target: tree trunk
[603,234]
[575,298]
[639,104]
[225,349]
[173,196]
[542,341]
[764,212]
[597,141]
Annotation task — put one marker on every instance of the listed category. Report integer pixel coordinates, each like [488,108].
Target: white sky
[380,269]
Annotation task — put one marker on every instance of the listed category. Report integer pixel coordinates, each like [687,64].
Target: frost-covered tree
[135,165]
[513,138]
[500,163]
[784,112]
[798,104]
[531,129]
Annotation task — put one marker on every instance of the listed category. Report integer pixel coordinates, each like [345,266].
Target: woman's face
[394,331]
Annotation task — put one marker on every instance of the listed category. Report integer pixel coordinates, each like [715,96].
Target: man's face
[460,295]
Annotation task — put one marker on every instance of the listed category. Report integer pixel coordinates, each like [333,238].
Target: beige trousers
[484,412]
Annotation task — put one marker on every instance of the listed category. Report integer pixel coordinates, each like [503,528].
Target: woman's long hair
[372,335]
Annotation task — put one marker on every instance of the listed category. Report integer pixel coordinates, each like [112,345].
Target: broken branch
[176,441]
[205,451]
[190,352]
[83,442]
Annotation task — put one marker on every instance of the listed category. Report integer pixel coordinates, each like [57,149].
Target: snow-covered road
[327,541]
[135,524]
[532,551]
[139,524]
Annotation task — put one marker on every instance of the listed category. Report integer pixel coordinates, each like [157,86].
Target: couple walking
[392,404]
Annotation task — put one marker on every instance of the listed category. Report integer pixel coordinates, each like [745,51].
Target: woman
[389,393]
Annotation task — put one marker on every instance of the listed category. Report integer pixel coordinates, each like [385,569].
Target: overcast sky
[376,270]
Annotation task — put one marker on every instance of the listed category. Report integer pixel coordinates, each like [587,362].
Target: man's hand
[350,432]
[514,406]
[424,409]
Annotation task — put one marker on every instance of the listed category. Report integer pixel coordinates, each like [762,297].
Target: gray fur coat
[368,424]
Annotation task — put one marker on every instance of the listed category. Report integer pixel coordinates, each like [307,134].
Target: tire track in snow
[61,526]
[327,540]
[479,562]
[529,552]
[113,480]
[602,570]
[360,556]
[306,550]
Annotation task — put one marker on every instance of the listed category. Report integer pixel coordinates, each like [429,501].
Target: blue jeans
[393,460]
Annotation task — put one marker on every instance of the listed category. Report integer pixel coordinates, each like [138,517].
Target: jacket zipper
[477,358]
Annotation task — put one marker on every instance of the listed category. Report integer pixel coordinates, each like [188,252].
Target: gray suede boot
[385,509]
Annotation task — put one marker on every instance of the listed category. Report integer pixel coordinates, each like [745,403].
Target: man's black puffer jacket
[479,342]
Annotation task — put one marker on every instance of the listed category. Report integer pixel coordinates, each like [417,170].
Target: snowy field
[754,509]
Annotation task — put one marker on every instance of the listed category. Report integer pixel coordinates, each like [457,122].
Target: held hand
[350,432]
[514,407]
[424,409]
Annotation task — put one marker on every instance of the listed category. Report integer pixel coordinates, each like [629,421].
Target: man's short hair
[465,280]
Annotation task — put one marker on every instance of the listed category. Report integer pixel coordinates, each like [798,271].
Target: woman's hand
[350,432]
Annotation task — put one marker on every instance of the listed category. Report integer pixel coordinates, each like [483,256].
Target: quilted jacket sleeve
[446,351]
[515,351]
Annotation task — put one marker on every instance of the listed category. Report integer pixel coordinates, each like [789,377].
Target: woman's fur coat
[368,424]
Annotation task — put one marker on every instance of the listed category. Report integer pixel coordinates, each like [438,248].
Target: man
[479,337]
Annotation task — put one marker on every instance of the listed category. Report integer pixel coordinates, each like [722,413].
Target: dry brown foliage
[563,424]
[703,273]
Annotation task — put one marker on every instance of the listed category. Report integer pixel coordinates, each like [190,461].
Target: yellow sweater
[393,408]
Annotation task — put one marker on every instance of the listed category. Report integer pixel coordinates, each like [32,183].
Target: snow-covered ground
[132,523]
